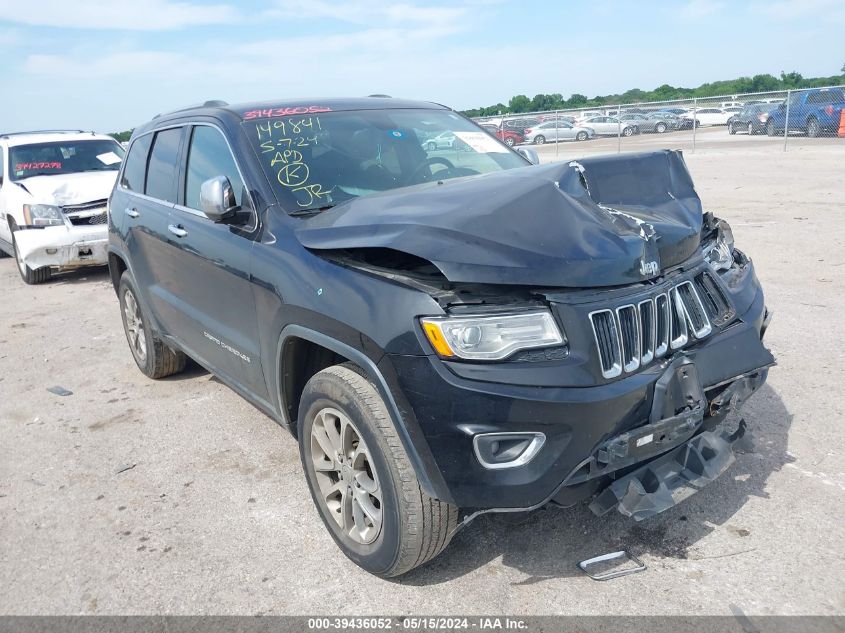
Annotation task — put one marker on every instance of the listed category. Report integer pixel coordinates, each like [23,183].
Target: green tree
[519,103]
[122,137]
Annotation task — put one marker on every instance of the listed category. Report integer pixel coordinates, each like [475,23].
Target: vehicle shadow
[549,543]
[81,276]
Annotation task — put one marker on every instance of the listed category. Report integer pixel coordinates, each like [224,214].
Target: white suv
[54,189]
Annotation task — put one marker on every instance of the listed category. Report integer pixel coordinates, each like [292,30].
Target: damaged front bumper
[63,247]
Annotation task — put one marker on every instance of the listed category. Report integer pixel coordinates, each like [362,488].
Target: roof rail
[8,134]
[211,103]
[381,96]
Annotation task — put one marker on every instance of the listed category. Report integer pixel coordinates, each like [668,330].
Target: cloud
[370,14]
[132,15]
[697,9]
[795,9]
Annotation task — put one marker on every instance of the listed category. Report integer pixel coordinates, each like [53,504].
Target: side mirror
[217,199]
[529,154]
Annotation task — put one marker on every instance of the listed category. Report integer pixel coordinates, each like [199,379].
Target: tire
[627,131]
[509,141]
[153,357]
[770,128]
[814,130]
[750,129]
[581,136]
[30,276]
[539,140]
[431,146]
[660,128]
[402,526]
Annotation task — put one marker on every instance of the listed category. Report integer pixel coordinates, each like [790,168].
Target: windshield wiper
[311,211]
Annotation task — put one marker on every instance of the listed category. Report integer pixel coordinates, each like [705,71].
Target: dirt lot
[214,517]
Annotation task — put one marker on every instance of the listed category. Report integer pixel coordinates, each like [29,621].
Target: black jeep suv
[442,329]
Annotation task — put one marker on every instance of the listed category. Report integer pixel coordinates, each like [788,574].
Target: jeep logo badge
[648,268]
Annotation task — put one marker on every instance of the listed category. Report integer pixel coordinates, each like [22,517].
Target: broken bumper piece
[63,247]
[670,479]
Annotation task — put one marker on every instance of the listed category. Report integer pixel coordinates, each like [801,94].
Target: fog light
[51,251]
[507,450]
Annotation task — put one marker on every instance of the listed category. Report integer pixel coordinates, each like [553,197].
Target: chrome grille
[633,335]
[94,205]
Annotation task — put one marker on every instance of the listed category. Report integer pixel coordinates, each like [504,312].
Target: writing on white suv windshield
[64,157]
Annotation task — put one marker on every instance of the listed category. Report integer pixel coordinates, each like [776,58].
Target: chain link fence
[769,119]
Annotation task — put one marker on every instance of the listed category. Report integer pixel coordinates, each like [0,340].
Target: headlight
[42,215]
[719,252]
[491,337]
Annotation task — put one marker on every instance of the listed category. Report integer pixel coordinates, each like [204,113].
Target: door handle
[132,213]
[177,230]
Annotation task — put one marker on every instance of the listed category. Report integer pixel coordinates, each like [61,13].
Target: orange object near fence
[841,132]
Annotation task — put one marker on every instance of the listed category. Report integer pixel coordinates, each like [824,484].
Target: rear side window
[163,165]
[135,168]
[209,156]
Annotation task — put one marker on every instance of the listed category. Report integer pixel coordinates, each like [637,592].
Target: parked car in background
[588,115]
[446,140]
[508,137]
[731,104]
[675,111]
[552,131]
[608,126]
[669,120]
[815,112]
[751,119]
[708,116]
[520,124]
[54,189]
[645,124]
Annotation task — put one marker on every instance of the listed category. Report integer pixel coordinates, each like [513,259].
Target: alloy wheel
[135,333]
[346,476]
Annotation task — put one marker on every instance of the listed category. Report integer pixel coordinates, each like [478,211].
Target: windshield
[317,161]
[64,157]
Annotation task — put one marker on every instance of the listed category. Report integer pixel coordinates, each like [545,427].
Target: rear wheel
[509,141]
[813,128]
[750,129]
[540,139]
[770,128]
[660,128]
[153,357]
[581,136]
[361,480]
[30,276]
[628,131]
[731,128]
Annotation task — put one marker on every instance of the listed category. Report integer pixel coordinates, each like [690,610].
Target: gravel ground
[211,514]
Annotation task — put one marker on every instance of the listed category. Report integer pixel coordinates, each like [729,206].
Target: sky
[109,65]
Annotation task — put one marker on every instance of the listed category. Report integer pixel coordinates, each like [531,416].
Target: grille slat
[84,206]
[633,335]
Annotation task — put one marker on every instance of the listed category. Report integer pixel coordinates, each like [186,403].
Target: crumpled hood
[602,221]
[64,189]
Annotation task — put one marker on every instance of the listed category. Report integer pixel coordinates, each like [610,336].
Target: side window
[163,165]
[209,156]
[135,169]
[2,166]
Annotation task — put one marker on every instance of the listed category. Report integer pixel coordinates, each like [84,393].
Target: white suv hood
[70,188]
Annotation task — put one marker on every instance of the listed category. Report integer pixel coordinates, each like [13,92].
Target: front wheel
[29,275]
[539,140]
[814,130]
[750,129]
[153,357]
[361,480]
[509,141]
[581,136]
[770,128]
[628,131]
[731,128]
[431,147]
[660,128]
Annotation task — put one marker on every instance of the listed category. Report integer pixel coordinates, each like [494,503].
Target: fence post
[786,122]
[694,121]
[618,130]
[557,134]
